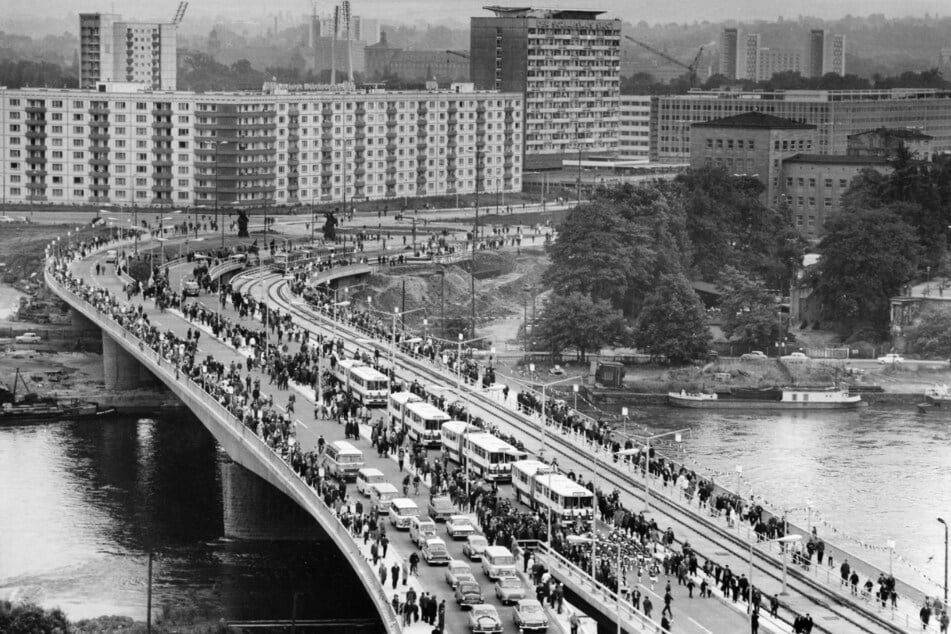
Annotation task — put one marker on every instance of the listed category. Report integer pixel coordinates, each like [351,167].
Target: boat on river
[797,398]
[33,408]
[937,399]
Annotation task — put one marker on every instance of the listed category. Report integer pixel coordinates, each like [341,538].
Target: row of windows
[729,144]
[801,182]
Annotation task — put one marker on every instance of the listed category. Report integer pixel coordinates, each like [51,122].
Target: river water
[82,503]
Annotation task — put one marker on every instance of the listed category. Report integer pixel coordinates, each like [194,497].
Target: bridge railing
[305,495]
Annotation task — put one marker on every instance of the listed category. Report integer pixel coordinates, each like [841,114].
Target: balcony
[421,147]
[391,171]
[36,109]
[326,137]
[35,134]
[391,111]
[391,123]
[420,169]
[161,112]
[361,111]
[36,160]
[453,110]
[99,137]
[451,132]
[40,173]
[391,183]
[391,157]
[360,124]
[359,172]
[391,135]
[162,138]
[421,123]
[293,137]
[36,185]
[35,147]
[99,162]
[99,187]
[360,136]
[423,111]
[160,162]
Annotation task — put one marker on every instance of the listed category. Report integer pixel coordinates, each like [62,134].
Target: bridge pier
[121,370]
[256,510]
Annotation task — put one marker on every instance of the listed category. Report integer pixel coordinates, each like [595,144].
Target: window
[827,202]
[801,181]
[789,181]
[812,182]
[828,183]
[719,144]
[843,183]
[709,144]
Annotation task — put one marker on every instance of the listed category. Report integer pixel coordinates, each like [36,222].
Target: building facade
[281,146]
[751,144]
[778,60]
[111,50]
[729,50]
[743,56]
[835,113]
[566,63]
[826,54]
[382,60]
[887,142]
[635,128]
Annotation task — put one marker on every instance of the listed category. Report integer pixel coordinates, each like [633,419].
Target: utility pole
[472,269]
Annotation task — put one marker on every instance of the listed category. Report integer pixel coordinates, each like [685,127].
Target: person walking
[395,572]
[668,599]
[648,606]
[574,622]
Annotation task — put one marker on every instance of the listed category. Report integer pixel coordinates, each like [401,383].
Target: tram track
[863,619]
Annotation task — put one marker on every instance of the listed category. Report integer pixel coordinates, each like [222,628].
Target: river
[82,503]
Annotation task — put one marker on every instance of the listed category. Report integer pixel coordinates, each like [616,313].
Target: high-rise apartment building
[729,49]
[826,53]
[635,128]
[281,146]
[567,65]
[747,58]
[111,50]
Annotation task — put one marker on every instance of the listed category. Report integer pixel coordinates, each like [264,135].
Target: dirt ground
[46,374]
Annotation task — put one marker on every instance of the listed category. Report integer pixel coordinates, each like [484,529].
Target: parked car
[459,527]
[28,337]
[529,615]
[484,619]
[755,355]
[891,357]
[509,590]
[456,569]
[556,370]
[474,547]
[795,357]
[469,593]
[441,508]
[435,552]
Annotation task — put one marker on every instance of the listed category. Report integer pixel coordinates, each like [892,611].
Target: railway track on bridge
[841,608]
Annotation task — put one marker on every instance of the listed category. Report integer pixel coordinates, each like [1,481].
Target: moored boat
[767,398]
[32,408]
[938,394]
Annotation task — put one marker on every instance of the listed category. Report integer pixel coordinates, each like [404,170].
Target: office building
[743,56]
[778,60]
[826,54]
[383,60]
[835,113]
[566,63]
[888,142]
[635,128]
[283,146]
[111,50]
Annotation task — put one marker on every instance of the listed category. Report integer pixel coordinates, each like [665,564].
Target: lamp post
[945,560]
[578,539]
[678,437]
[217,144]
[786,539]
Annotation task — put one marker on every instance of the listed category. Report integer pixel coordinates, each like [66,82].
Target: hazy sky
[461,10]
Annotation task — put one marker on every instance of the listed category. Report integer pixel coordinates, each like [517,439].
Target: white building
[283,146]
[635,128]
[111,50]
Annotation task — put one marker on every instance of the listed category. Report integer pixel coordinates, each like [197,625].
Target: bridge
[253,510]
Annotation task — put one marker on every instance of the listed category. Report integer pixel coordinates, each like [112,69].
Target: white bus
[566,498]
[523,478]
[423,422]
[452,434]
[342,460]
[396,404]
[367,385]
[490,457]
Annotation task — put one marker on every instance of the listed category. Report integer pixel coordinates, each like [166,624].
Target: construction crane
[179,13]
[691,67]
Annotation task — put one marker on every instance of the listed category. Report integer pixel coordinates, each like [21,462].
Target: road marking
[700,626]
[301,423]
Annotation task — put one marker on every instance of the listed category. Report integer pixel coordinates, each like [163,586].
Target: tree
[672,322]
[930,334]
[576,321]
[749,310]
[27,617]
[865,257]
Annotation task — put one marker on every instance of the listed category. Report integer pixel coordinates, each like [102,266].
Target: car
[111,256]
[556,370]
[755,355]
[795,357]
[28,337]
[469,593]
[459,527]
[529,615]
[509,590]
[434,552]
[484,619]
[455,569]
[190,288]
[441,508]
[474,547]
[891,357]
[421,529]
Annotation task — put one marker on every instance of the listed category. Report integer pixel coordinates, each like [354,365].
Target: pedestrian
[754,622]
[664,624]
[574,622]
[648,606]
[414,563]
[404,569]
[774,606]
[925,615]
[943,622]
[668,598]
[384,542]
[382,571]
[441,619]
[395,572]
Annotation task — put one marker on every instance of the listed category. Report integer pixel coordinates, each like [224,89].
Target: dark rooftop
[552,14]
[837,159]
[755,120]
[900,133]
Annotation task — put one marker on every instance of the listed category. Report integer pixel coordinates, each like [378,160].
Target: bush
[28,618]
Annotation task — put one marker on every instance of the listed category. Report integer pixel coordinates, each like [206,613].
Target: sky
[460,10]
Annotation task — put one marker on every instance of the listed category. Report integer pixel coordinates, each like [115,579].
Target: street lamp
[786,539]
[945,560]
[678,437]
[578,539]
[217,144]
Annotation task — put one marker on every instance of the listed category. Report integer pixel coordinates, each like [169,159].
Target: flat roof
[837,159]
[553,14]
[755,120]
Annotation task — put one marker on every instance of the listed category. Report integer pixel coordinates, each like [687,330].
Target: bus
[396,405]
[285,261]
[366,384]
[490,457]
[566,499]
[342,460]
[423,422]
[453,433]
[523,478]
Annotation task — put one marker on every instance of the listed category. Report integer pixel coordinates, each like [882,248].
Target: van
[498,561]
[421,529]
[368,476]
[381,494]
[402,511]
[342,460]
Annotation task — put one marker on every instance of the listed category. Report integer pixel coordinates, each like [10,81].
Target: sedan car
[474,547]
[755,355]
[456,569]
[891,358]
[469,593]
[434,552]
[28,337]
[530,616]
[484,619]
[459,527]
[795,357]
[441,508]
[509,590]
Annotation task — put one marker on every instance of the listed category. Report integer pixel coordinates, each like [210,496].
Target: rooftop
[837,159]
[551,14]
[755,120]
[900,133]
